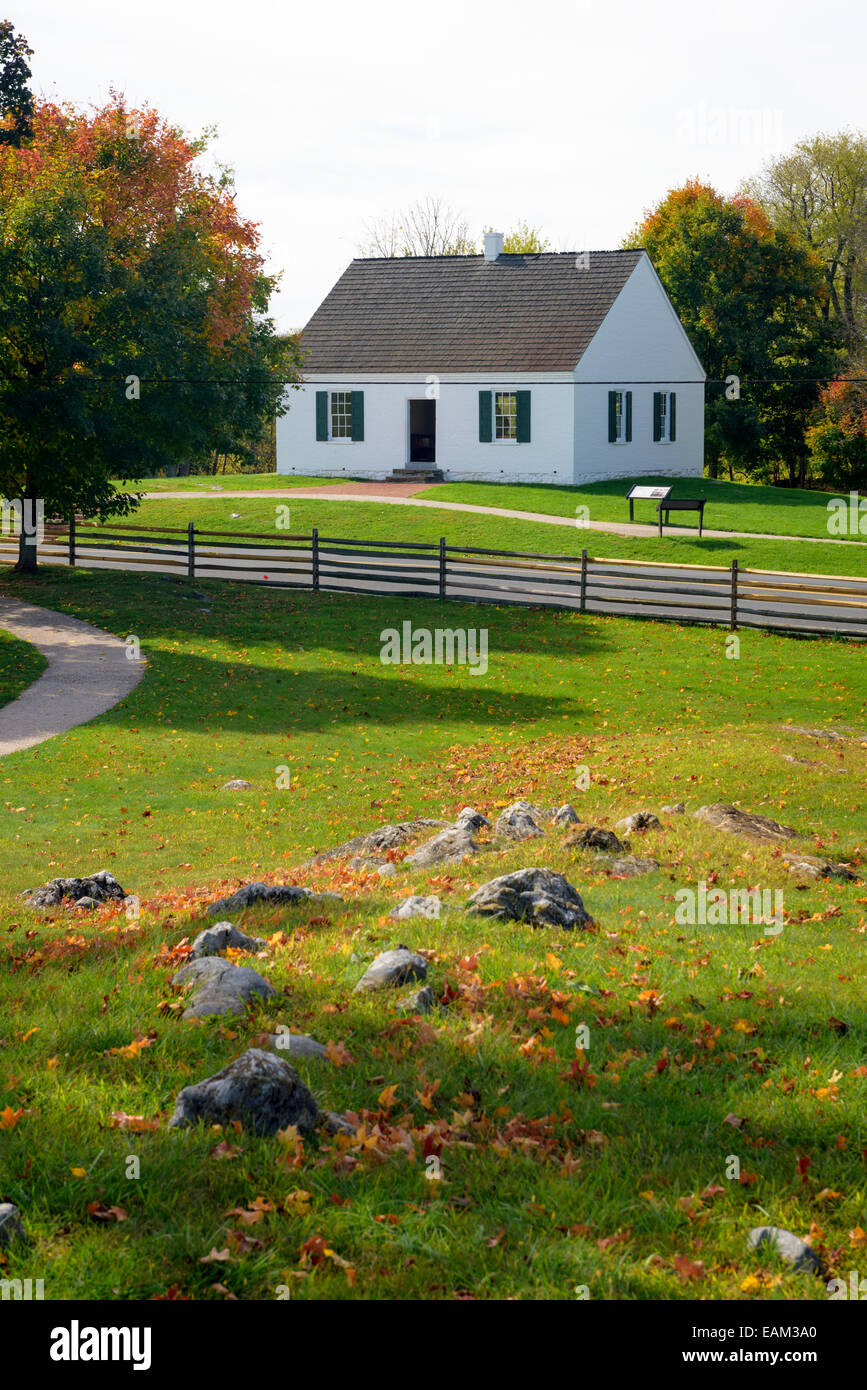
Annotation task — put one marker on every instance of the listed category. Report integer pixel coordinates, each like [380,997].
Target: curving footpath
[88,672]
[407,495]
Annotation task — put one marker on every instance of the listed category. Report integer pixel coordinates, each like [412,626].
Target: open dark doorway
[422,431]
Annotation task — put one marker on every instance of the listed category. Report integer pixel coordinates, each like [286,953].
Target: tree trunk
[28,538]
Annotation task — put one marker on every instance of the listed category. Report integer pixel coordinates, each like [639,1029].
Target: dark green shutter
[321,416]
[523,421]
[357,424]
[612,417]
[629,417]
[672,397]
[486,419]
[657,422]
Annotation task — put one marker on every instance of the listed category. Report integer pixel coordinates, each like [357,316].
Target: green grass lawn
[20,664]
[383,521]
[614,1177]
[224,482]
[778,511]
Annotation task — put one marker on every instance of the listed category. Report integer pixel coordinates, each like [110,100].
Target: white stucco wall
[547,457]
[641,347]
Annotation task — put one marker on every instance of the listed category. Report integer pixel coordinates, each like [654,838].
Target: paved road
[690,593]
[88,672]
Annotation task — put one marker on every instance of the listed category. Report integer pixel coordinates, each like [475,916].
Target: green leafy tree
[16,101]
[134,331]
[818,193]
[749,297]
[524,240]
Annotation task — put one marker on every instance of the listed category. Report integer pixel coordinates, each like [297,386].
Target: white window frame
[513,416]
[664,419]
[619,417]
[346,415]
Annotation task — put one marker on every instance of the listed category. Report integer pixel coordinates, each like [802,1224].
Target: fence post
[442,566]
[583,600]
[734,616]
[191,551]
[315,558]
[72,541]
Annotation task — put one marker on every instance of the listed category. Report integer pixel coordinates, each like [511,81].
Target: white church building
[549,368]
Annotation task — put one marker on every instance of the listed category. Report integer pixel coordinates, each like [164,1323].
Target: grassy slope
[386,522]
[20,664]
[225,482]
[731,506]
[738,1024]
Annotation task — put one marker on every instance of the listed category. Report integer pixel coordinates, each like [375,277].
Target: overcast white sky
[574,116]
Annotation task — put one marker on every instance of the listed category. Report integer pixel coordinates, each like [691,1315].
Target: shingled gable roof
[465,314]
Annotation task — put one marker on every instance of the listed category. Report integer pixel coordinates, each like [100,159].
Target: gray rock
[223,988]
[677,808]
[518,822]
[801,762]
[629,866]
[421,1002]
[639,820]
[296,1045]
[449,847]
[213,940]
[273,894]
[811,866]
[378,841]
[731,819]
[417,907]
[838,735]
[387,870]
[539,896]
[237,784]
[594,837]
[566,815]
[365,863]
[259,1089]
[86,902]
[101,887]
[11,1228]
[794,1251]
[390,969]
[336,1124]
[471,819]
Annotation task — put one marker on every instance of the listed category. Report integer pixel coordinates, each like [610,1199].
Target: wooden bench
[682,504]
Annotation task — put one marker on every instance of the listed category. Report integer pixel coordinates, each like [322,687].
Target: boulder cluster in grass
[374,845]
[261,1090]
[214,940]
[594,837]
[220,987]
[734,821]
[811,866]
[258,1089]
[638,821]
[271,894]
[11,1229]
[88,891]
[538,896]
[789,1247]
[416,906]
[396,967]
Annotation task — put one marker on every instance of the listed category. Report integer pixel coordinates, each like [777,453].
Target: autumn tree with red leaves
[838,437]
[134,328]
